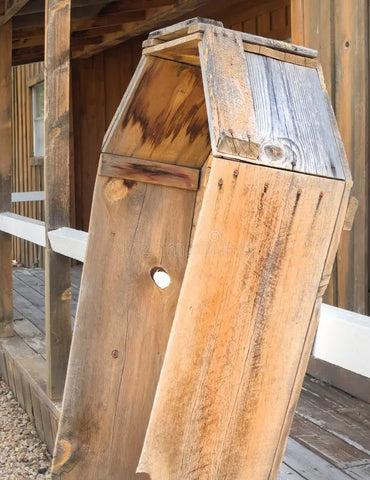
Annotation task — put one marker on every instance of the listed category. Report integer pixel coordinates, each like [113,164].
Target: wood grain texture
[283,94]
[352,111]
[170,126]
[341,36]
[228,94]
[122,326]
[234,356]
[140,170]
[57,191]
[6,302]
[183,49]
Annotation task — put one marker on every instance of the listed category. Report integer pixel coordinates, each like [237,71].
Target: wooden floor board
[329,440]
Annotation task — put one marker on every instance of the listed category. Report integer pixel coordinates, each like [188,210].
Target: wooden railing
[343,337]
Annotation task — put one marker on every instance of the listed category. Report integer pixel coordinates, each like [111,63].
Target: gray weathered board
[222,166]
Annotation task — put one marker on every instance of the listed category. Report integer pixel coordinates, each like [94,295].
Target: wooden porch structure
[329,439]
[81,37]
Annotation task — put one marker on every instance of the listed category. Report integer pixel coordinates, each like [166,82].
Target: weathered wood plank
[311,466]
[183,49]
[282,94]
[351,54]
[6,305]
[135,224]
[57,190]
[332,448]
[169,127]
[224,362]
[278,55]
[228,95]
[139,170]
[12,9]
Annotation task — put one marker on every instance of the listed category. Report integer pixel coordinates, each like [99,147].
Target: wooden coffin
[222,167]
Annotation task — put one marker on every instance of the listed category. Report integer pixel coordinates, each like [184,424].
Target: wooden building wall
[25,177]
[340,32]
[100,81]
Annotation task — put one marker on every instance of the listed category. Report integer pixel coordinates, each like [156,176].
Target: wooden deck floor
[330,438]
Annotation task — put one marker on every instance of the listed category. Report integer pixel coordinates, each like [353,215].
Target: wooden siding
[25,178]
[341,35]
[100,81]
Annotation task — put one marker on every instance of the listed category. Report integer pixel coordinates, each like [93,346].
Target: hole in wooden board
[160,277]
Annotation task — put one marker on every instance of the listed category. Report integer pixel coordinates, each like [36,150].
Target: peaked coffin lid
[201,88]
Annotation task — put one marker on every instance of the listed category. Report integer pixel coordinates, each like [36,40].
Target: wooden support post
[57,191]
[6,300]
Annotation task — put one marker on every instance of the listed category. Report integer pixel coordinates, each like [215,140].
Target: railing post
[57,190]
[6,281]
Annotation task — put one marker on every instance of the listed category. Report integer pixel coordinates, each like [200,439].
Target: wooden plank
[181,29]
[57,191]
[12,9]
[30,312]
[183,49]
[354,432]
[31,335]
[140,170]
[333,449]
[228,95]
[223,367]
[287,473]
[312,467]
[170,127]
[282,94]
[6,305]
[341,38]
[278,55]
[134,223]
[352,383]
[351,33]
[158,16]
[359,472]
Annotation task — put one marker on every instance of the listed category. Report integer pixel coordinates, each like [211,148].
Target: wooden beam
[6,283]
[57,190]
[132,5]
[157,18]
[12,10]
[139,170]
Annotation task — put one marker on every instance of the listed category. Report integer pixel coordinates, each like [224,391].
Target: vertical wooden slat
[57,190]
[351,105]
[340,32]
[6,301]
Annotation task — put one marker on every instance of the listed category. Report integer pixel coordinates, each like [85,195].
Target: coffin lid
[201,88]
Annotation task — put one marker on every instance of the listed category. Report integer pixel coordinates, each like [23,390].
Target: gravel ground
[22,454]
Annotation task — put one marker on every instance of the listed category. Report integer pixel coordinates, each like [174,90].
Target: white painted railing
[343,337]
[67,241]
[28,197]
[23,227]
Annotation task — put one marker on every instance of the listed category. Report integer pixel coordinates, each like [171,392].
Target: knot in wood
[115,190]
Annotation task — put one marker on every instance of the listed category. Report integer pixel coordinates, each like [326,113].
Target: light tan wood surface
[239,331]
[122,326]
[57,191]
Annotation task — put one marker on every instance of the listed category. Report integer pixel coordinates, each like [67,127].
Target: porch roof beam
[6,13]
